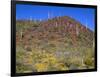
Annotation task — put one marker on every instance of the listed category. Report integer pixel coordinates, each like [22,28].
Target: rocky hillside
[62,37]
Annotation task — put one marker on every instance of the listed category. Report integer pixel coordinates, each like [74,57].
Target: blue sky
[37,12]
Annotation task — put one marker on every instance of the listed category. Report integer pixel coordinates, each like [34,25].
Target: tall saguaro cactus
[77,30]
[21,34]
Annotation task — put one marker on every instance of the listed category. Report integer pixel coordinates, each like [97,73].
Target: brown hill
[58,29]
[60,43]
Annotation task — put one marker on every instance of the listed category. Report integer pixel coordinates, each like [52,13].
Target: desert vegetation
[57,44]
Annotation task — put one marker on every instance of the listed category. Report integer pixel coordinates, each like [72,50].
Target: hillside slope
[60,43]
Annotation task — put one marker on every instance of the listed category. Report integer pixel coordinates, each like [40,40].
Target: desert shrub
[89,57]
[89,61]
[75,60]
[35,25]
[40,67]
[19,61]
[20,55]
[24,61]
[45,61]
[61,67]
[21,68]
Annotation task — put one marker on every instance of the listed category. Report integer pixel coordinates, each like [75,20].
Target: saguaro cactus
[77,30]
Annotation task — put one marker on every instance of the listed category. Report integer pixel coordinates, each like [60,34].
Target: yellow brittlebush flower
[41,67]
